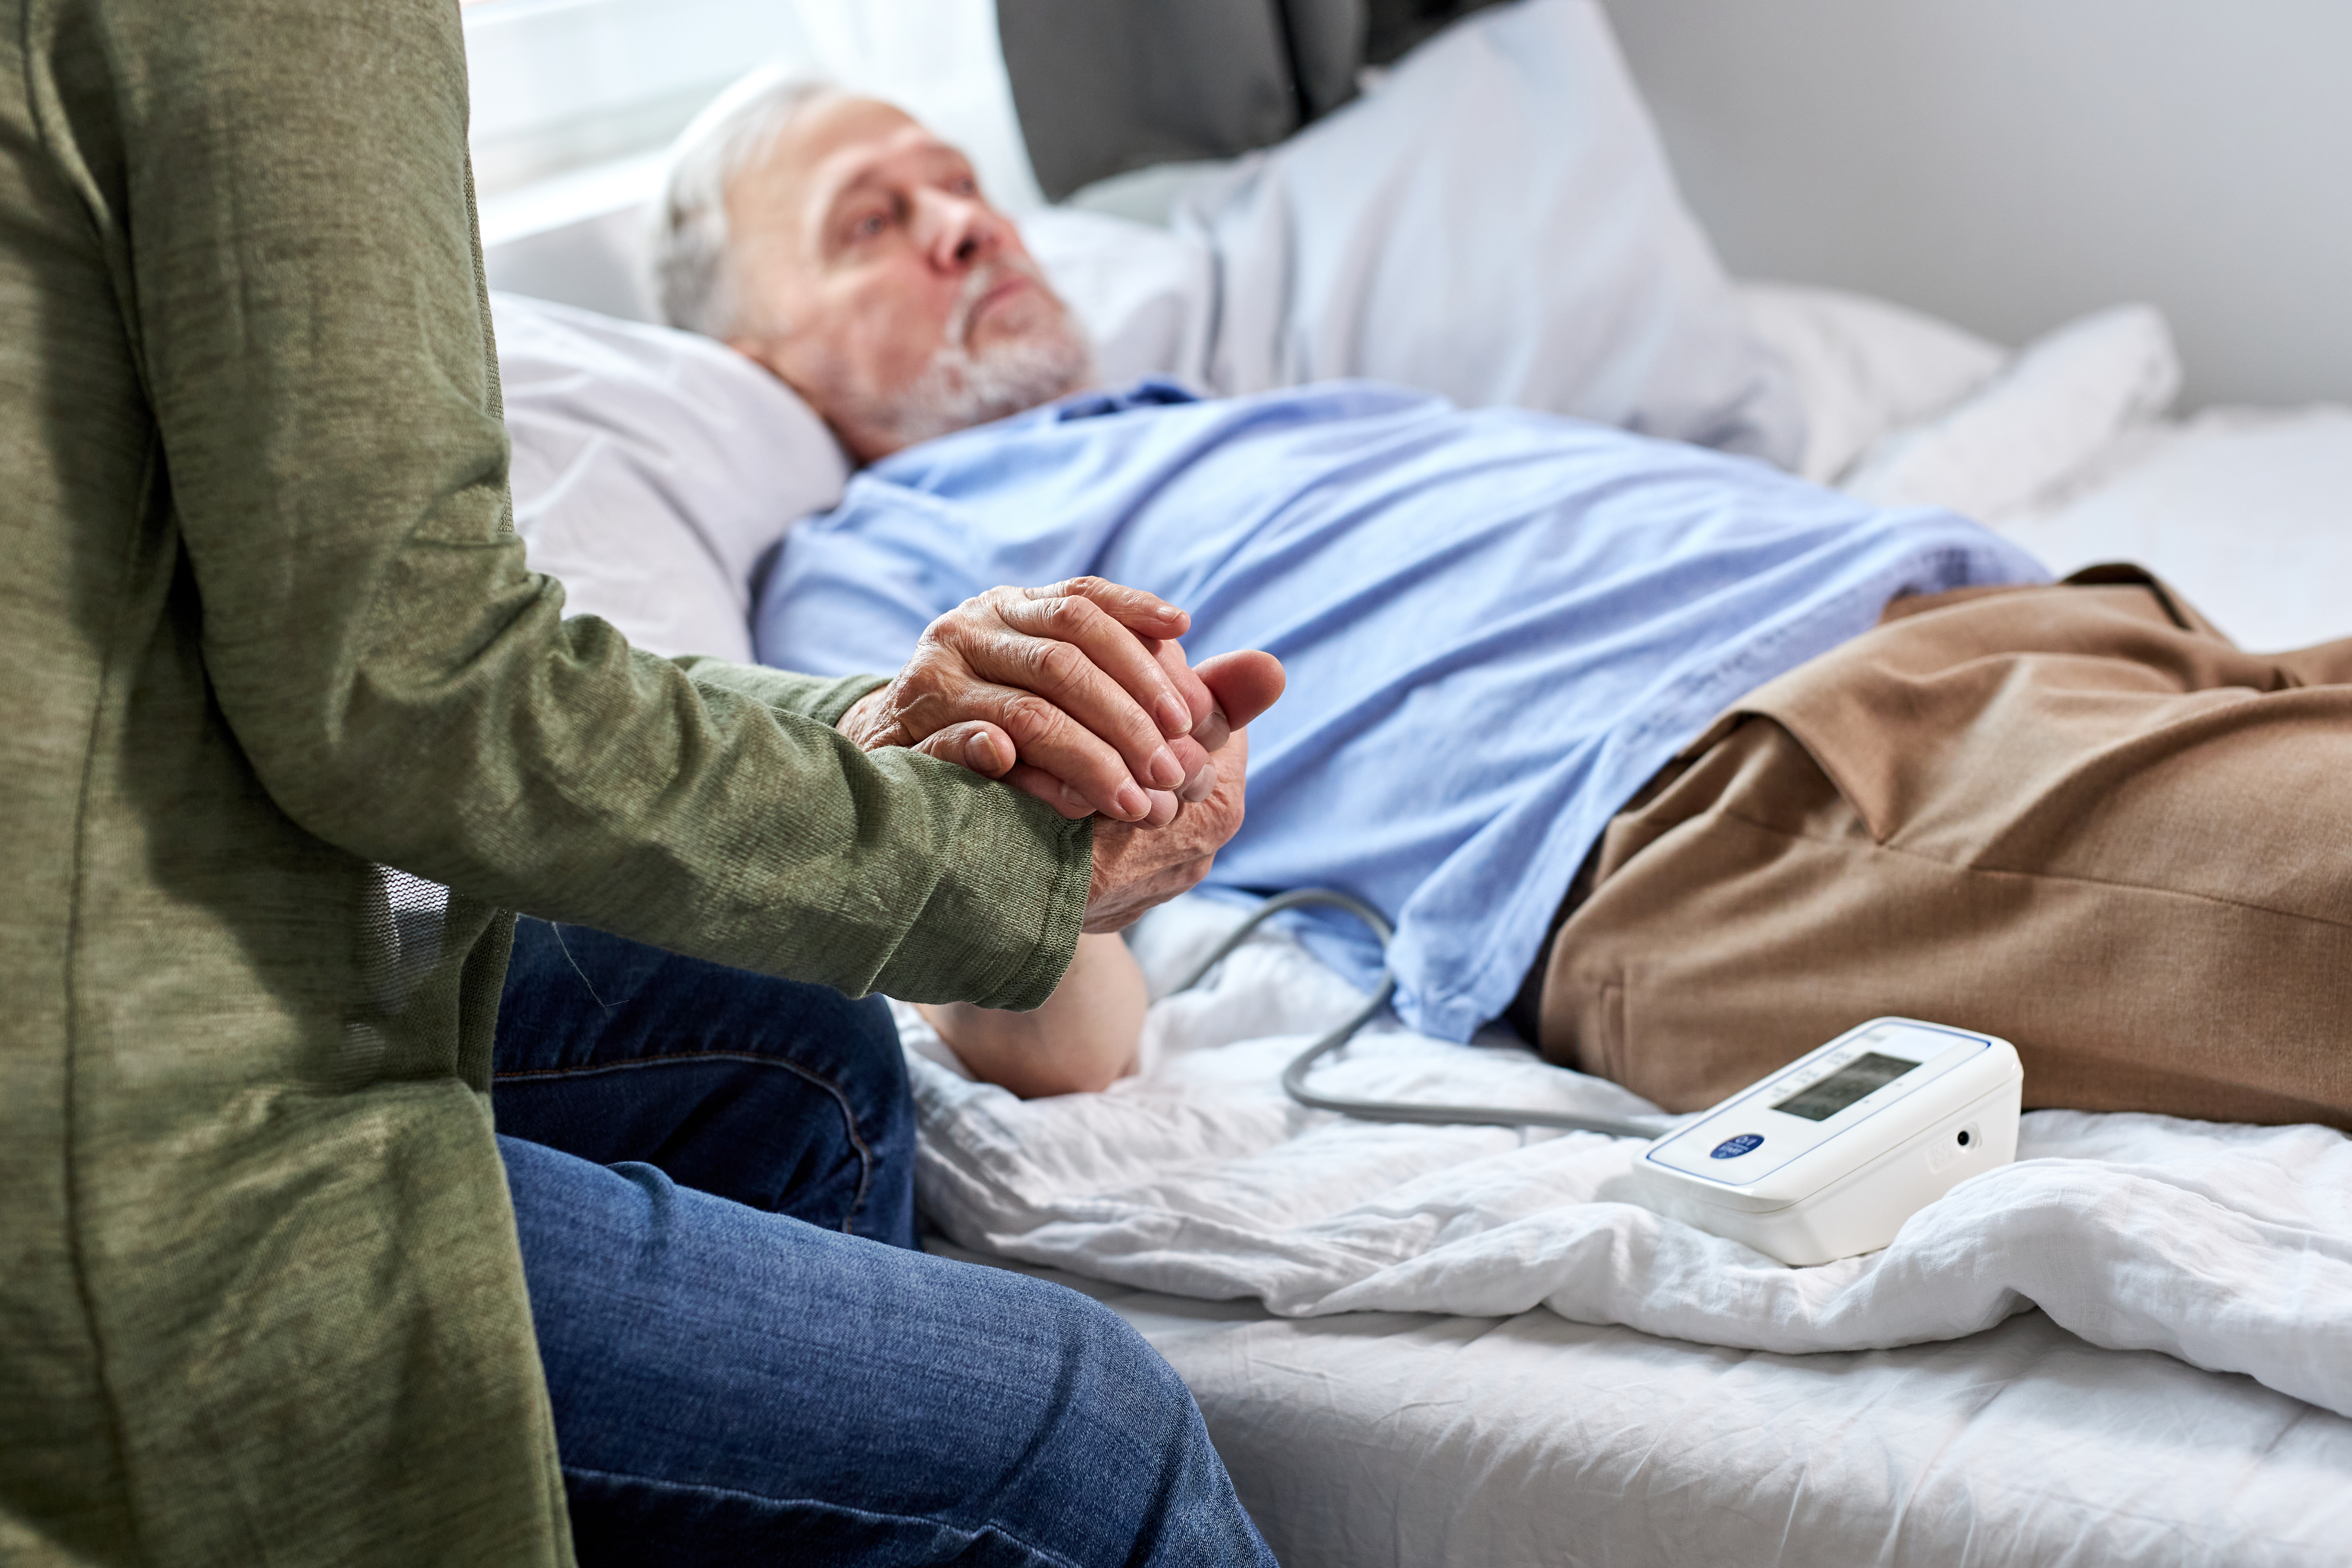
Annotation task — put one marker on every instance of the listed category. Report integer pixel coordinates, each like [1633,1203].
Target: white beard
[960,389]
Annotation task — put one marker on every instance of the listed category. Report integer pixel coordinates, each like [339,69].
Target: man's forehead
[839,141]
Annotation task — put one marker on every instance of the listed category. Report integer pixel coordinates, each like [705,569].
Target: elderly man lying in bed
[1681,763]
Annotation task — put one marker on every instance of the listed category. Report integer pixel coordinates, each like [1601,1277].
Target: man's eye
[869,225]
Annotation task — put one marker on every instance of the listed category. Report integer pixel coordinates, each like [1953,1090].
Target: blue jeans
[708,1169]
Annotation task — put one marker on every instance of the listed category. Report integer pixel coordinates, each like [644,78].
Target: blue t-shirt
[1498,624]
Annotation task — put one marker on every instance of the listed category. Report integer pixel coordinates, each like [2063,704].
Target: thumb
[1245,683]
[975,744]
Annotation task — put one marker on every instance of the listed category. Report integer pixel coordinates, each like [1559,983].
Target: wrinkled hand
[1075,693]
[1210,730]
[1139,865]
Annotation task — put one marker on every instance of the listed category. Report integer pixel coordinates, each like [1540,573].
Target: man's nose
[965,231]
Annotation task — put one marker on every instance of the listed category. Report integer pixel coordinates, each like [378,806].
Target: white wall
[2010,162]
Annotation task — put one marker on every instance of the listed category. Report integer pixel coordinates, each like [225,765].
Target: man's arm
[1083,1039]
[1085,1036]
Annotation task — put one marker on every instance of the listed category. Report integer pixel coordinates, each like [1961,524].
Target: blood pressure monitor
[1824,1159]
[1830,1155]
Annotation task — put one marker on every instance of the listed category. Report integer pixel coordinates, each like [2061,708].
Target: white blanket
[2229,1247]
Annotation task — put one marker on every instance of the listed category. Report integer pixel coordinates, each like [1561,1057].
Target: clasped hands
[1078,694]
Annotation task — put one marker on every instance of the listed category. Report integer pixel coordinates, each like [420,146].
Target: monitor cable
[1294,1077]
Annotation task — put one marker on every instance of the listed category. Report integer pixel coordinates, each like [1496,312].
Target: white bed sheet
[2247,511]
[1378,1439]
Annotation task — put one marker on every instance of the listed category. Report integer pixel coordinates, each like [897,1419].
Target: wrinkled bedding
[2229,1248]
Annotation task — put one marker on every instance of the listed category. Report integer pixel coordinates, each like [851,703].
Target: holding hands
[1139,865]
[1078,694]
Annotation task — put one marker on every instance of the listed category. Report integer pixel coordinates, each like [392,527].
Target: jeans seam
[697,1488]
[866,1160]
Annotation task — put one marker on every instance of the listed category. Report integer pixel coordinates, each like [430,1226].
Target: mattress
[1378,1439]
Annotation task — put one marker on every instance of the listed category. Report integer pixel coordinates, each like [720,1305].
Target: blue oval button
[1732,1148]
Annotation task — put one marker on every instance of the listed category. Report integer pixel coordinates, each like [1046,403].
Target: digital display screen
[1820,1101]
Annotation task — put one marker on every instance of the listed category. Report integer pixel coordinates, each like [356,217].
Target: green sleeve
[312,325]
[822,698]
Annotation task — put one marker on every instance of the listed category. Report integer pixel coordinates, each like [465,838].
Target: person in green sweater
[278,674]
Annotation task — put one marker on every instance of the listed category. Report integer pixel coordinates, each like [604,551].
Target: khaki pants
[2076,817]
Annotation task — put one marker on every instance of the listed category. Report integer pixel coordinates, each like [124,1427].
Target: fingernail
[1074,801]
[1130,802]
[981,753]
[1166,772]
[1175,718]
[1200,786]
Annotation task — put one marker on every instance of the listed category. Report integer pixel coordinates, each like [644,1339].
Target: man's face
[875,278]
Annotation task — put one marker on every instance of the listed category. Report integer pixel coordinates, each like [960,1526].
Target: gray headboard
[2007,163]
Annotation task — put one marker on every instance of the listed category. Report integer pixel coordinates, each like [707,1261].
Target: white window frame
[575,102]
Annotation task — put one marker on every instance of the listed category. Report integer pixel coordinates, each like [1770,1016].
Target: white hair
[692,278]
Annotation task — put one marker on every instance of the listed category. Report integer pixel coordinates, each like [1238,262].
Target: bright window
[587,93]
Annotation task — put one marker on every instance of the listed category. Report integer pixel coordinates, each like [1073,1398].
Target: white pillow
[1495,222]
[1144,294]
[1863,367]
[653,468]
[2045,419]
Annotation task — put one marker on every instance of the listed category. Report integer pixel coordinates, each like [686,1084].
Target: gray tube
[1294,1077]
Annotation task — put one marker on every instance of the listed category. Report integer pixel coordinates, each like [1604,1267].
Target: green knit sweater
[266,630]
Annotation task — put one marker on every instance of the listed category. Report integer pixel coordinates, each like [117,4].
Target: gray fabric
[1104,89]
[1392,27]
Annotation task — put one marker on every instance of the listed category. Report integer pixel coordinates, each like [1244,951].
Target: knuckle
[968,619]
[1026,717]
[1058,663]
[935,648]
[1067,616]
